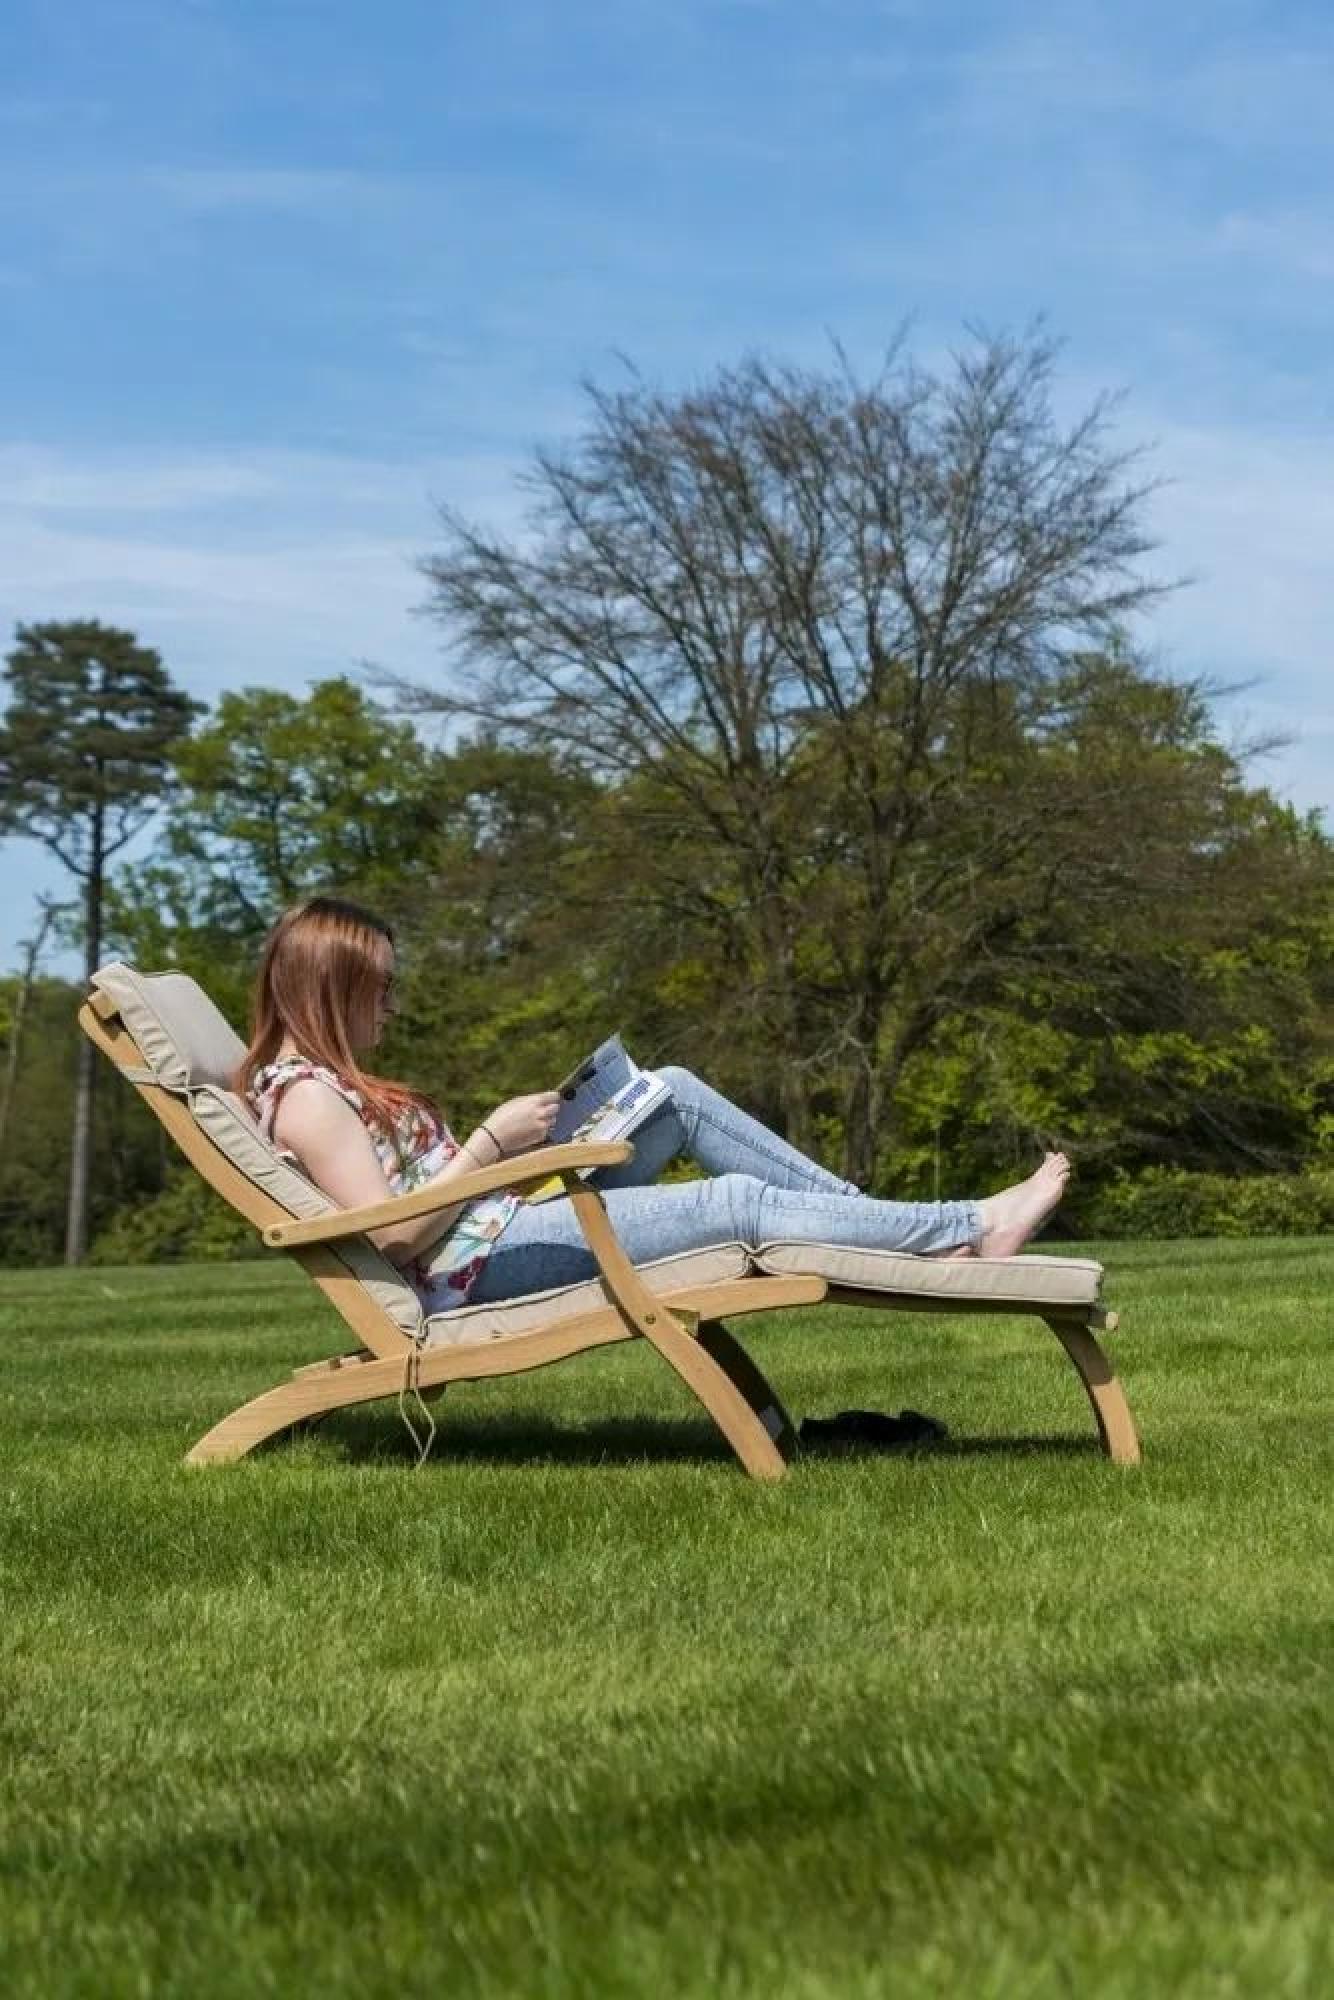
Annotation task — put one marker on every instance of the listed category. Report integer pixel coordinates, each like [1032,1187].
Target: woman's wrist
[473,1146]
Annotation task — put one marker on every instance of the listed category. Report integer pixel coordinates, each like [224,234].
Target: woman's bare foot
[1010,1218]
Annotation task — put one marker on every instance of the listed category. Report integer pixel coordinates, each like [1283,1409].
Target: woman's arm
[335,1150]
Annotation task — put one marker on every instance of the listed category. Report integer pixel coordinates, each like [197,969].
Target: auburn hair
[321,970]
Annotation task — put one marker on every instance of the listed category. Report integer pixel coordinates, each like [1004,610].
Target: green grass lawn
[577,1709]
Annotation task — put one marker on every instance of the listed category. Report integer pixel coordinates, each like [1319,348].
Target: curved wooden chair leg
[255,1422]
[1116,1426]
[753,1429]
[751,1381]
[726,1401]
[674,1330]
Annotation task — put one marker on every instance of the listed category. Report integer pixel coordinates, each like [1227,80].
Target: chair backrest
[190,1055]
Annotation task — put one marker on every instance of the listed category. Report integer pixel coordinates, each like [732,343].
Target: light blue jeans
[761,1190]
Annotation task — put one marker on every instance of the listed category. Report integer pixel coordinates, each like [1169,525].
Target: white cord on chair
[411,1386]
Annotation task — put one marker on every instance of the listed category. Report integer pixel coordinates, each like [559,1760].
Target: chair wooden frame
[685,1324]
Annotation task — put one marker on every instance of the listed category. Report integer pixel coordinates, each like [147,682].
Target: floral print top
[411,1153]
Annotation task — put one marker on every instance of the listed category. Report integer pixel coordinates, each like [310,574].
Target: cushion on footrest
[468,1326]
[1039,1281]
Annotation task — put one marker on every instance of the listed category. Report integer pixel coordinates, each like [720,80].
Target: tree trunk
[860,1124]
[864,1097]
[863,1104]
[32,955]
[776,935]
[80,1163]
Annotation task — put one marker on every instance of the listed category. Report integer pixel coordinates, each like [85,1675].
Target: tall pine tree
[84,759]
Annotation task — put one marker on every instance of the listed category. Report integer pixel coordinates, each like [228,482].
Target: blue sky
[276,276]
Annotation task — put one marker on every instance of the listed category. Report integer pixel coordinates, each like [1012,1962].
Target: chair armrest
[524,1170]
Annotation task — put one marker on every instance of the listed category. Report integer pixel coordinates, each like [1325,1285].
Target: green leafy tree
[85,748]
[502,939]
[492,863]
[277,796]
[1168,1002]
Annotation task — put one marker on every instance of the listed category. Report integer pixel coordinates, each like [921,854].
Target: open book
[607,1097]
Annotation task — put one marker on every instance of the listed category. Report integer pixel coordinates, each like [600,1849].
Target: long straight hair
[319,975]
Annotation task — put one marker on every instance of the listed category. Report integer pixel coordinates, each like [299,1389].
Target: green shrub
[1168,1201]
[187,1221]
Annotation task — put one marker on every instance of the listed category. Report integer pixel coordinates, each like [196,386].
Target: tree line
[798,735]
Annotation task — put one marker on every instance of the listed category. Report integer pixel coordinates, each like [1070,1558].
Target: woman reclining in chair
[324,993]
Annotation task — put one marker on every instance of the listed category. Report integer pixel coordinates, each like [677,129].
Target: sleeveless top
[411,1152]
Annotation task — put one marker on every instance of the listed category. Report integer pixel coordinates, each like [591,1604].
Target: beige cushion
[1040,1281]
[470,1326]
[191,1051]
[234,1130]
[185,1040]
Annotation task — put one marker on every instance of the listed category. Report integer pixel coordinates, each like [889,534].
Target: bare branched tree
[824,627]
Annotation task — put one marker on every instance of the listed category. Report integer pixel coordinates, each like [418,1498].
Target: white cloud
[43,481]
[1249,514]
[205,190]
[1297,242]
[240,567]
[1075,70]
[40,482]
[1258,90]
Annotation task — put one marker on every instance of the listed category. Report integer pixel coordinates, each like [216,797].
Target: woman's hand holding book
[520,1124]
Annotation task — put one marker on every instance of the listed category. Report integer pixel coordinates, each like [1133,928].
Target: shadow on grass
[365,1439]
[372,1438]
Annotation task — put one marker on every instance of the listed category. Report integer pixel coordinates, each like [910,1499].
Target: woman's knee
[681,1082]
[742,1195]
